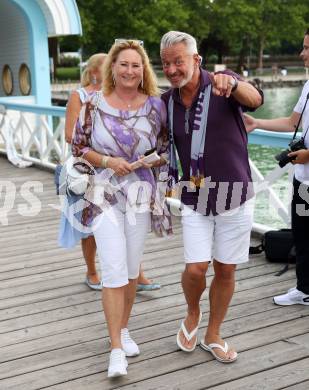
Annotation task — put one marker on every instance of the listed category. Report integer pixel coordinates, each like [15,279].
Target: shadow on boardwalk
[53,334]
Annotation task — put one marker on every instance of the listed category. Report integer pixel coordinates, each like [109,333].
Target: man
[300,200]
[206,127]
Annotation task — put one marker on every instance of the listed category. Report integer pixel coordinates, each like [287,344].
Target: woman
[91,82]
[127,120]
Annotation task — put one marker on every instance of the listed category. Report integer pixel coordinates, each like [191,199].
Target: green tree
[278,20]
[230,24]
[223,27]
[236,26]
[104,20]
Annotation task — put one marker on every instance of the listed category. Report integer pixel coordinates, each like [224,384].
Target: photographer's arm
[278,124]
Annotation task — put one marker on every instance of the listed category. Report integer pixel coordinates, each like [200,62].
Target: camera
[294,146]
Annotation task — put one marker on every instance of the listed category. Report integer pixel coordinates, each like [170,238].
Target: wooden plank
[46,281]
[29,340]
[154,350]
[61,260]
[168,291]
[28,230]
[59,255]
[274,379]
[299,386]
[173,269]
[53,333]
[175,370]
[17,309]
[49,241]
[150,349]
[208,375]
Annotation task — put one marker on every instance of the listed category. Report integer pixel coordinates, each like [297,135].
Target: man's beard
[187,79]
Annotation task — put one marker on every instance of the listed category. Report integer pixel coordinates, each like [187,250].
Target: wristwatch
[234,84]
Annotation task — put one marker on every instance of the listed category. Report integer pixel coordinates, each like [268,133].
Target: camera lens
[283,158]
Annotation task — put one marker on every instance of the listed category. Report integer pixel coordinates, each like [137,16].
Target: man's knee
[196,270]
[224,271]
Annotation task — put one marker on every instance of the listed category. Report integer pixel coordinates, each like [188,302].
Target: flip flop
[211,346]
[93,286]
[188,336]
[148,287]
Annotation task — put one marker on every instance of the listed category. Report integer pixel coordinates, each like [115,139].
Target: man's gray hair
[173,37]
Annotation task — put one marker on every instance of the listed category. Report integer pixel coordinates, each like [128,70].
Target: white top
[302,170]
[84,95]
[126,134]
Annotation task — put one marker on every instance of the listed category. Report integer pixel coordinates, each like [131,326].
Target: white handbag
[76,181]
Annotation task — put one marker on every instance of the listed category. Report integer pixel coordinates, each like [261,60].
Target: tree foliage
[222,27]
[278,20]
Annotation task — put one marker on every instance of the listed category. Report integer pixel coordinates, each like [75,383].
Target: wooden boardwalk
[53,334]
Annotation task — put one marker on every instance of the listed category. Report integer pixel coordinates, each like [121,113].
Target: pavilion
[25,27]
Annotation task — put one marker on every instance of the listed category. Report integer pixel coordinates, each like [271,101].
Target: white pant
[120,239]
[224,237]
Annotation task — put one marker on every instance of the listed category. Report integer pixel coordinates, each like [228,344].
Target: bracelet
[104,161]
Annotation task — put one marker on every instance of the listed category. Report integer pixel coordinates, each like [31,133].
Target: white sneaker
[128,345]
[117,363]
[292,297]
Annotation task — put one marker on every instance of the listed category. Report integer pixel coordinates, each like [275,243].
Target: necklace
[129,105]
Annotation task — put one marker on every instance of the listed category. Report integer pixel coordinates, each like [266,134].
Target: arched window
[7,80]
[24,79]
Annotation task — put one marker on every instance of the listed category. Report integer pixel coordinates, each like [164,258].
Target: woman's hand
[250,122]
[119,165]
[154,164]
[159,163]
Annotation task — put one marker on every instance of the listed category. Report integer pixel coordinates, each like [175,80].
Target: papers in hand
[149,159]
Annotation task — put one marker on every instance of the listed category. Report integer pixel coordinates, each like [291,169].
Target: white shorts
[120,240]
[224,237]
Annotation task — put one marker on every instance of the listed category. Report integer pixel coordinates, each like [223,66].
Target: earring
[142,83]
[113,77]
[94,80]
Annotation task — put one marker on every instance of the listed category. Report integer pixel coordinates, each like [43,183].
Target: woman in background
[69,236]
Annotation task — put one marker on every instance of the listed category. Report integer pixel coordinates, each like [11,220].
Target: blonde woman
[91,82]
[129,119]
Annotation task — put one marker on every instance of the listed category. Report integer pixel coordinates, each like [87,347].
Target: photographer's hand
[250,122]
[301,156]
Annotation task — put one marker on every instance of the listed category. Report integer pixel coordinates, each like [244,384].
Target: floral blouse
[127,134]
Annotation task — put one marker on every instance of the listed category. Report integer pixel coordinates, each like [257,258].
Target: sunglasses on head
[119,41]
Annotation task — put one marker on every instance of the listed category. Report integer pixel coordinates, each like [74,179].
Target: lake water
[278,102]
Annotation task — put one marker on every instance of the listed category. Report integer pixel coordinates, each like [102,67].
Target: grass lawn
[68,73]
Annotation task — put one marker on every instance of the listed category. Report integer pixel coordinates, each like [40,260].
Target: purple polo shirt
[228,176]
